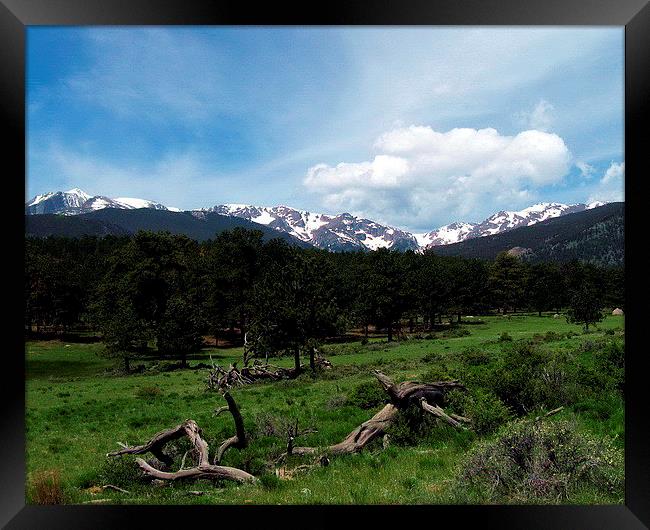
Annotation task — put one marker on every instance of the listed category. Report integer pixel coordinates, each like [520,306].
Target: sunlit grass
[78,409]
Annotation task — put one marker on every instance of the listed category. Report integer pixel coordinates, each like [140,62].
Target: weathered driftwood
[239,440]
[426,396]
[452,419]
[203,470]
[223,379]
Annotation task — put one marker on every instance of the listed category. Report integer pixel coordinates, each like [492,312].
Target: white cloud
[586,170]
[615,173]
[540,118]
[611,187]
[420,174]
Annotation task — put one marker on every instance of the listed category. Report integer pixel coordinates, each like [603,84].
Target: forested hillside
[592,236]
[112,221]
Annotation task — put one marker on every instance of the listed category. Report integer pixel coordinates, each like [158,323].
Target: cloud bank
[418,174]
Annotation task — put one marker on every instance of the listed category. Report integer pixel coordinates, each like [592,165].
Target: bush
[486,410]
[516,378]
[455,333]
[609,363]
[120,471]
[45,487]
[267,424]
[504,337]
[366,395]
[432,358]
[147,392]
[336,401]
[474,356]
[411,427]
[549,336]
[541,462]
[559,381]
[382,346]
[270,481]
[436,373]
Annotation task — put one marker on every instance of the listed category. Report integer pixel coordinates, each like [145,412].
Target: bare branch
[239,440]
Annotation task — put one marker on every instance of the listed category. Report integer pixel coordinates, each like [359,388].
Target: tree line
[164,292]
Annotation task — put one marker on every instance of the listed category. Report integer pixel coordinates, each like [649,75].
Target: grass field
[79,408]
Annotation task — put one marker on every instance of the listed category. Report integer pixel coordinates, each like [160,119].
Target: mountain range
[339,232]
[596,235]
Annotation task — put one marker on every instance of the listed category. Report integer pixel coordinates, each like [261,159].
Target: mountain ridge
[596,235]
[338,232]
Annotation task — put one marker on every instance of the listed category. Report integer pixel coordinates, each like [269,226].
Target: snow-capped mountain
[337,232]
[499,222]
[76,201]
[57,201]
[445,235]
[333,232]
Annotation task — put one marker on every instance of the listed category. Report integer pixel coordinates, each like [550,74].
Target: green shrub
[366,395]
[436,373]
[504,337]
[410,427]
[486,410]
[549,336]
[455,333]
[270,481]
[474,356]
[559,381]
[120,471]
[147,392]
[432,358]
[382,346]
[541,462]
[336,401]
[517,375]
[607,369]
[609,363]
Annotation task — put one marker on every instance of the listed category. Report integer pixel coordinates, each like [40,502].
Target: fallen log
[427,396]
[203,470]
[223,379]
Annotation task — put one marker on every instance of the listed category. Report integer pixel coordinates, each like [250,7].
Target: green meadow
[79,407]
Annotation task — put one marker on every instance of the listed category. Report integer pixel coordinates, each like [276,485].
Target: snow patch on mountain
[335,232]
[130,202]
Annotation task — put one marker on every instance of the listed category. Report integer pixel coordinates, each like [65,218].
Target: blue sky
[414,127]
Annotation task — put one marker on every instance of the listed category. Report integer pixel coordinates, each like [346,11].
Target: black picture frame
[15,15]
